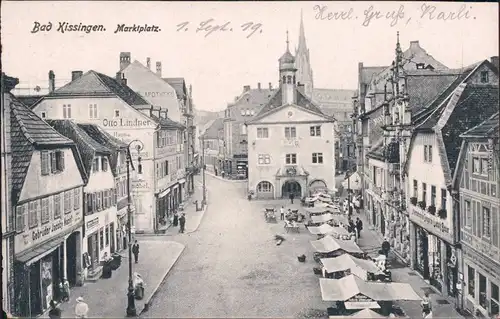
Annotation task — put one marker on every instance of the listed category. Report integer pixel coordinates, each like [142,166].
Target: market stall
[346,264]
[365,313]
[338,232]
[330,247]
[313,211]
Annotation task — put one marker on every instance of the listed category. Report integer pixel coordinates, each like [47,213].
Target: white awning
[182,181]
[329,244]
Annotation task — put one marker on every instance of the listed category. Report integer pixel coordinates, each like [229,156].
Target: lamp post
[204,201]
[131,311]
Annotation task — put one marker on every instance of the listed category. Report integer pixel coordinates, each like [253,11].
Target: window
[243,129]
[433,195]
[264,187]
[107,236]
[486,222]
[315,130]
[495,301]
[264,159]
[242,112]
[252,112]
[68,201]
[21,218]
[443,198]
[33,207]
[92,111]
[76,199]
[101,238]
[484,166]
[484,77]
[45,164]
[471,274]
[428,153]
[476,165]
[262,132]
[415,188]
[291,159]
[424,192]
[290,132]
[67,111]
[104,163]
[420,66]
[45,211]
[117,113]
[59,155]
[44,115]
[317,158]
[482,291]
[95,165]
[57,206]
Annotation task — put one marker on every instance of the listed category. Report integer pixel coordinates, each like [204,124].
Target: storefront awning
[329,244]
[182,181]
[357,266]
[35,254]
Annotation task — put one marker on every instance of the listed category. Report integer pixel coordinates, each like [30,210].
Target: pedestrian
[426,306]
[176,219]
[282,212]
[81,308]
[135,251]
[359,226]
[386,246]
[215,169]
[292,196]
[182,222]
[55,311]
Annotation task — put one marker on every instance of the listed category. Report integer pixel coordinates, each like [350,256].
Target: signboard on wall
[52,229]
[431,223]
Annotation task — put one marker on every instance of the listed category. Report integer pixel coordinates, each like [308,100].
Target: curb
[148,301]
[226,180]
[202,212]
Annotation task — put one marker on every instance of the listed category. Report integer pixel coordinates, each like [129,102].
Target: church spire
[287,42]
[302,62]
[302,35]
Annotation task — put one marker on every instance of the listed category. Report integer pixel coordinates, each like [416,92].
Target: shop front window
[482,291]
[495,301]
[435,262]
[471,274]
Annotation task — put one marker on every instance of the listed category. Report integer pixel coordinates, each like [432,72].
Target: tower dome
[287,60]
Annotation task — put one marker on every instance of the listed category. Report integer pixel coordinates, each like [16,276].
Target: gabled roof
[107,140]
[179,85]
[488,128]
[29,100]
[87,146]
[167,123]
[30,133]
[255,97]
[368,72]
[97,84]
[212,132]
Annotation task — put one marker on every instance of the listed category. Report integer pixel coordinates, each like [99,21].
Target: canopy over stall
[365,313]
[357,266]
[321,218]
[350,287]
[327,229]
[329,244]
[318,210]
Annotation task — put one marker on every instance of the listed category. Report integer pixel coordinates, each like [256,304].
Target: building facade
[47,195]
[291,142]
[478,180]
[100,213]
[213,148]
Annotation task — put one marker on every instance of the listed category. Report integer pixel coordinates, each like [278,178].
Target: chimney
[159,113]
[165,113]
[75,75]
[301,87]
[246,88]
[258,86]
[118,76]
[151,111]
[52,81]
[123,80]
[270,86]
[494,61]
[148,62]
[158,69]
[124,60]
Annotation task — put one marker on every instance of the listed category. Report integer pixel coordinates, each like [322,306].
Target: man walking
[135,251]
[292,196]
[359,226]
[282,212]
[386,246]
[182,223]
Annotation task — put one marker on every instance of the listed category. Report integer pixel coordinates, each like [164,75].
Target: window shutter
[19,218]
[158,171]
[101,196]
[44,161]
[94,202]
[61,160]
[53,162]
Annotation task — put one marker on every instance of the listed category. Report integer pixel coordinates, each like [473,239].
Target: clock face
[290,113]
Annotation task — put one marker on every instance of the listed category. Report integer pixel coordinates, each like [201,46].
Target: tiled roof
[86,145]
[332,95]
[254,97]
[425,85]
[179,85]
[107,140]
[29,100]
[167,123]
[28,132]
[94,83]
[212,131]
[368,72]
[488,128]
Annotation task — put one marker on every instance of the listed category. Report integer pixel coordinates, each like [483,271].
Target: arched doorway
[291,187]
[265,190]
[317,185]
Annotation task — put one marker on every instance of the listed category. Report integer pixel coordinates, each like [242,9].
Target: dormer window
[420,66]
[242,112]
[95,165]
[484,77]
[104,164]
[52,162]
[44,115]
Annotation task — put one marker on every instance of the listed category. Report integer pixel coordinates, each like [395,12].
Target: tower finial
[287,42]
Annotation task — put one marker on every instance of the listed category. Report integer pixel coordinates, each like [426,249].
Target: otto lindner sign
[38,235]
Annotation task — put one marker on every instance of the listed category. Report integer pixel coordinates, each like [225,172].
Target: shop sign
[127,135]
[167,150]
[91,224]
[128,123]
[485,249]
[46,231]
[431,223]
[140,186]
[360,302]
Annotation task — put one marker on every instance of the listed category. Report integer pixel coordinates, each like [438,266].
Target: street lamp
[131,311]
[204,201]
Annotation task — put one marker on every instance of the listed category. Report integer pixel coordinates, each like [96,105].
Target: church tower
[287,76]
[302,62]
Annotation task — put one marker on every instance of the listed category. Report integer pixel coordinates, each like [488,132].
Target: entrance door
[112,239]
[93,250]
[71,244]
[291,187]
[35,289]
[382,222]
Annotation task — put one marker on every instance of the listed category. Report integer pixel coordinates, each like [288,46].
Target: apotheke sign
[44,232]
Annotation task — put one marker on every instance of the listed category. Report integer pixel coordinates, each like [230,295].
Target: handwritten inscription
[210,26]
[395,16]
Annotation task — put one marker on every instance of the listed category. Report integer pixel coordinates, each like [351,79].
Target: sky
[220,63]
